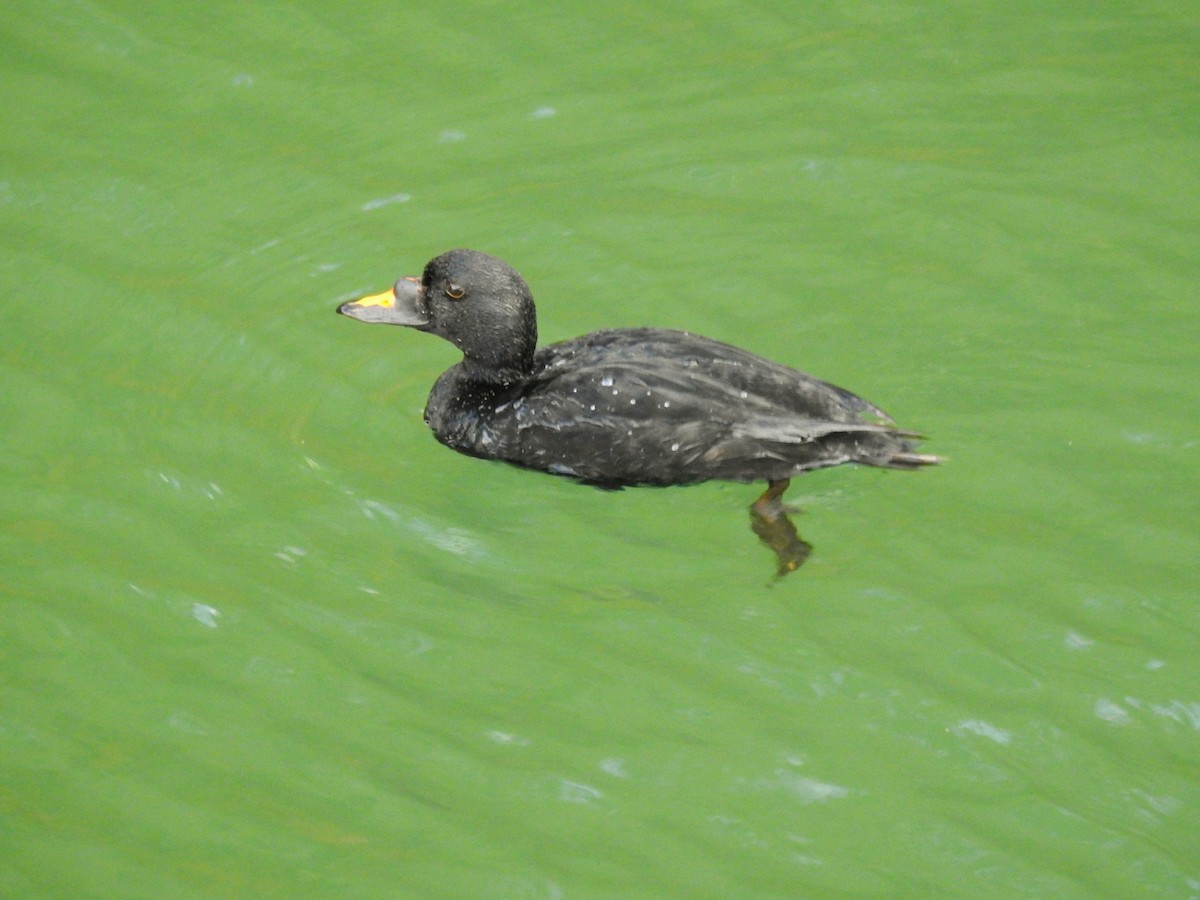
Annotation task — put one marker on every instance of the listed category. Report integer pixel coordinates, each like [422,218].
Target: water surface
[264,637]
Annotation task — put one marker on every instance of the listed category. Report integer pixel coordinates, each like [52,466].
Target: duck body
[653,407]
[622,407]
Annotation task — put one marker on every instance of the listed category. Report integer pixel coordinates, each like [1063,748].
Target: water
[262,636]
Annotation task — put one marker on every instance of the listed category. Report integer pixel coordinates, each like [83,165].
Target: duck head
[477,302]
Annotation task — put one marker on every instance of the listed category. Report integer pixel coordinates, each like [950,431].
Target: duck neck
[499,375]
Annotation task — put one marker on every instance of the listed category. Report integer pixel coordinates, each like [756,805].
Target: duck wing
[714,367]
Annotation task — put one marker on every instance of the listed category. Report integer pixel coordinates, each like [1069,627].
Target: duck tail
[909,460]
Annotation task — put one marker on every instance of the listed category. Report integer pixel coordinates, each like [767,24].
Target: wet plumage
[622,407]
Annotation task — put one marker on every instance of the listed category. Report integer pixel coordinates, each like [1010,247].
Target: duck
[627,407]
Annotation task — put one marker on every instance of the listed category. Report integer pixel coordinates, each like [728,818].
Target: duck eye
[455,291]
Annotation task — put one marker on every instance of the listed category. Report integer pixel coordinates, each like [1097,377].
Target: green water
[262,636]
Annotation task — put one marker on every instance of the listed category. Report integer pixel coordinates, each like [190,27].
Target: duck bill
[400,305]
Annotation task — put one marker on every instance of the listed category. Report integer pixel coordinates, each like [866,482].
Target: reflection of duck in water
[627,406]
